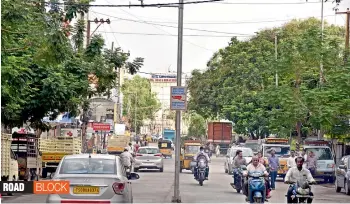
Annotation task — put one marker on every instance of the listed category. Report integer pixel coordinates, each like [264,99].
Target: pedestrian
[274,165]
[311,163]
[291,160]
[217,151]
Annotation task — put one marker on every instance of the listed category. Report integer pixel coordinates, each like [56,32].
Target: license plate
[148,162]
[86,190]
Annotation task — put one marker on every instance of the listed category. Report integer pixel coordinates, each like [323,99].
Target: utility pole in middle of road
[176,197]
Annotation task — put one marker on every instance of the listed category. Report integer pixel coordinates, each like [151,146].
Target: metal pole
[319,135]
[276,59]
[135,114]
[177,198]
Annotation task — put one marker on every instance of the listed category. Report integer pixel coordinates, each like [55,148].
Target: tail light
[158,155]
[118,187]
[138,155]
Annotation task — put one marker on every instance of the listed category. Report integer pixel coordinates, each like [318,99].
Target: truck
[54,149]
[325,158]
[9,163]
[169,134]
[282,151]
[220,133]
[117,143]
[25,146]
[255,145]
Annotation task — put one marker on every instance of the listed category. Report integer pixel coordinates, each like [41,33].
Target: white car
[231,153]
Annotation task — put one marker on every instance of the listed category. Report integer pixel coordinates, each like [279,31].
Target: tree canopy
[240,84]
[43,73]
[139,102]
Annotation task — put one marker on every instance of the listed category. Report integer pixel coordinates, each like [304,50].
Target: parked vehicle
[342,173]
[247,154]
[148,158]
[25,146]
[94,178]
[220,133]
[325,159]
[169,134]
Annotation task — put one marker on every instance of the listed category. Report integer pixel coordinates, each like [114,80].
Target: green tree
[239,83]
[139,101]
[43,74]
[197,126]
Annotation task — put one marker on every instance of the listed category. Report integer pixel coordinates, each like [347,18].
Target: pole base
[176,200]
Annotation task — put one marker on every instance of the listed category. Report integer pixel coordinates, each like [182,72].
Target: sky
[151,33]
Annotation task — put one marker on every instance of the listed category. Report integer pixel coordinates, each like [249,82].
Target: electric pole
[88,28]
[347,26]
[276,58]
[176,197]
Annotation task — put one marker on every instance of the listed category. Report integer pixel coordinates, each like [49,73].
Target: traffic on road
[103,178]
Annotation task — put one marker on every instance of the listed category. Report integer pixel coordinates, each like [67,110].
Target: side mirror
[133,176]
[52,175]
[227,156]
[341,166]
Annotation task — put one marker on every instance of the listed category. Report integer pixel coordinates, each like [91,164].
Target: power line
[133,5]
[154,25]
[170,35]
[233,22]
[169,26]
[268,3]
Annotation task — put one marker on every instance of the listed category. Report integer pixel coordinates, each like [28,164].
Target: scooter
[238,178]
[301,192]
[256,187]
[201,169]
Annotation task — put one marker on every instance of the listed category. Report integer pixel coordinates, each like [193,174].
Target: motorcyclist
[298,174]
[238,160]
[127,159]
[254,166]
[201,154]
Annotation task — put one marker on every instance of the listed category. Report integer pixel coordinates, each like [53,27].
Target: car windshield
[192,149]
[253,146]
[280,151]
[88,166]
[245,152]
[148,151]
[321,153]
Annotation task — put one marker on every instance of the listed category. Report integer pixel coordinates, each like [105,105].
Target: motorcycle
[256,187]
[238,178]
[201,169]
[301,192]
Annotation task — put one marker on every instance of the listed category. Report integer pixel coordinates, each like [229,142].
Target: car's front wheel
[161,169]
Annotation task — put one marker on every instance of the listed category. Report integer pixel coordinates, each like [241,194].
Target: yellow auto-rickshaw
[190,149]
[165,148]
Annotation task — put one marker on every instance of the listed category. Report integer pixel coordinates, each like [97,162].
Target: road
[156,187]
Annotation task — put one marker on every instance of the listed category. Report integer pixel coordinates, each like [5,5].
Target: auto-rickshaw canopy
[164,144]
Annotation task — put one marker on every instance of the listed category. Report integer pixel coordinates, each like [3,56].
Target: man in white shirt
[298,174]
[254,166]
[126,158]
[291,160]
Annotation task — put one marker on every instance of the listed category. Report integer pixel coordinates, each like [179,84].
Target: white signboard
[119,129]
[178,100]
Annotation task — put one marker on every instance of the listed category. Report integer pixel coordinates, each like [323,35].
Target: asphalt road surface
[156,187]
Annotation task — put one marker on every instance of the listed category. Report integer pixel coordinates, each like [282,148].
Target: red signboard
[101,127]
